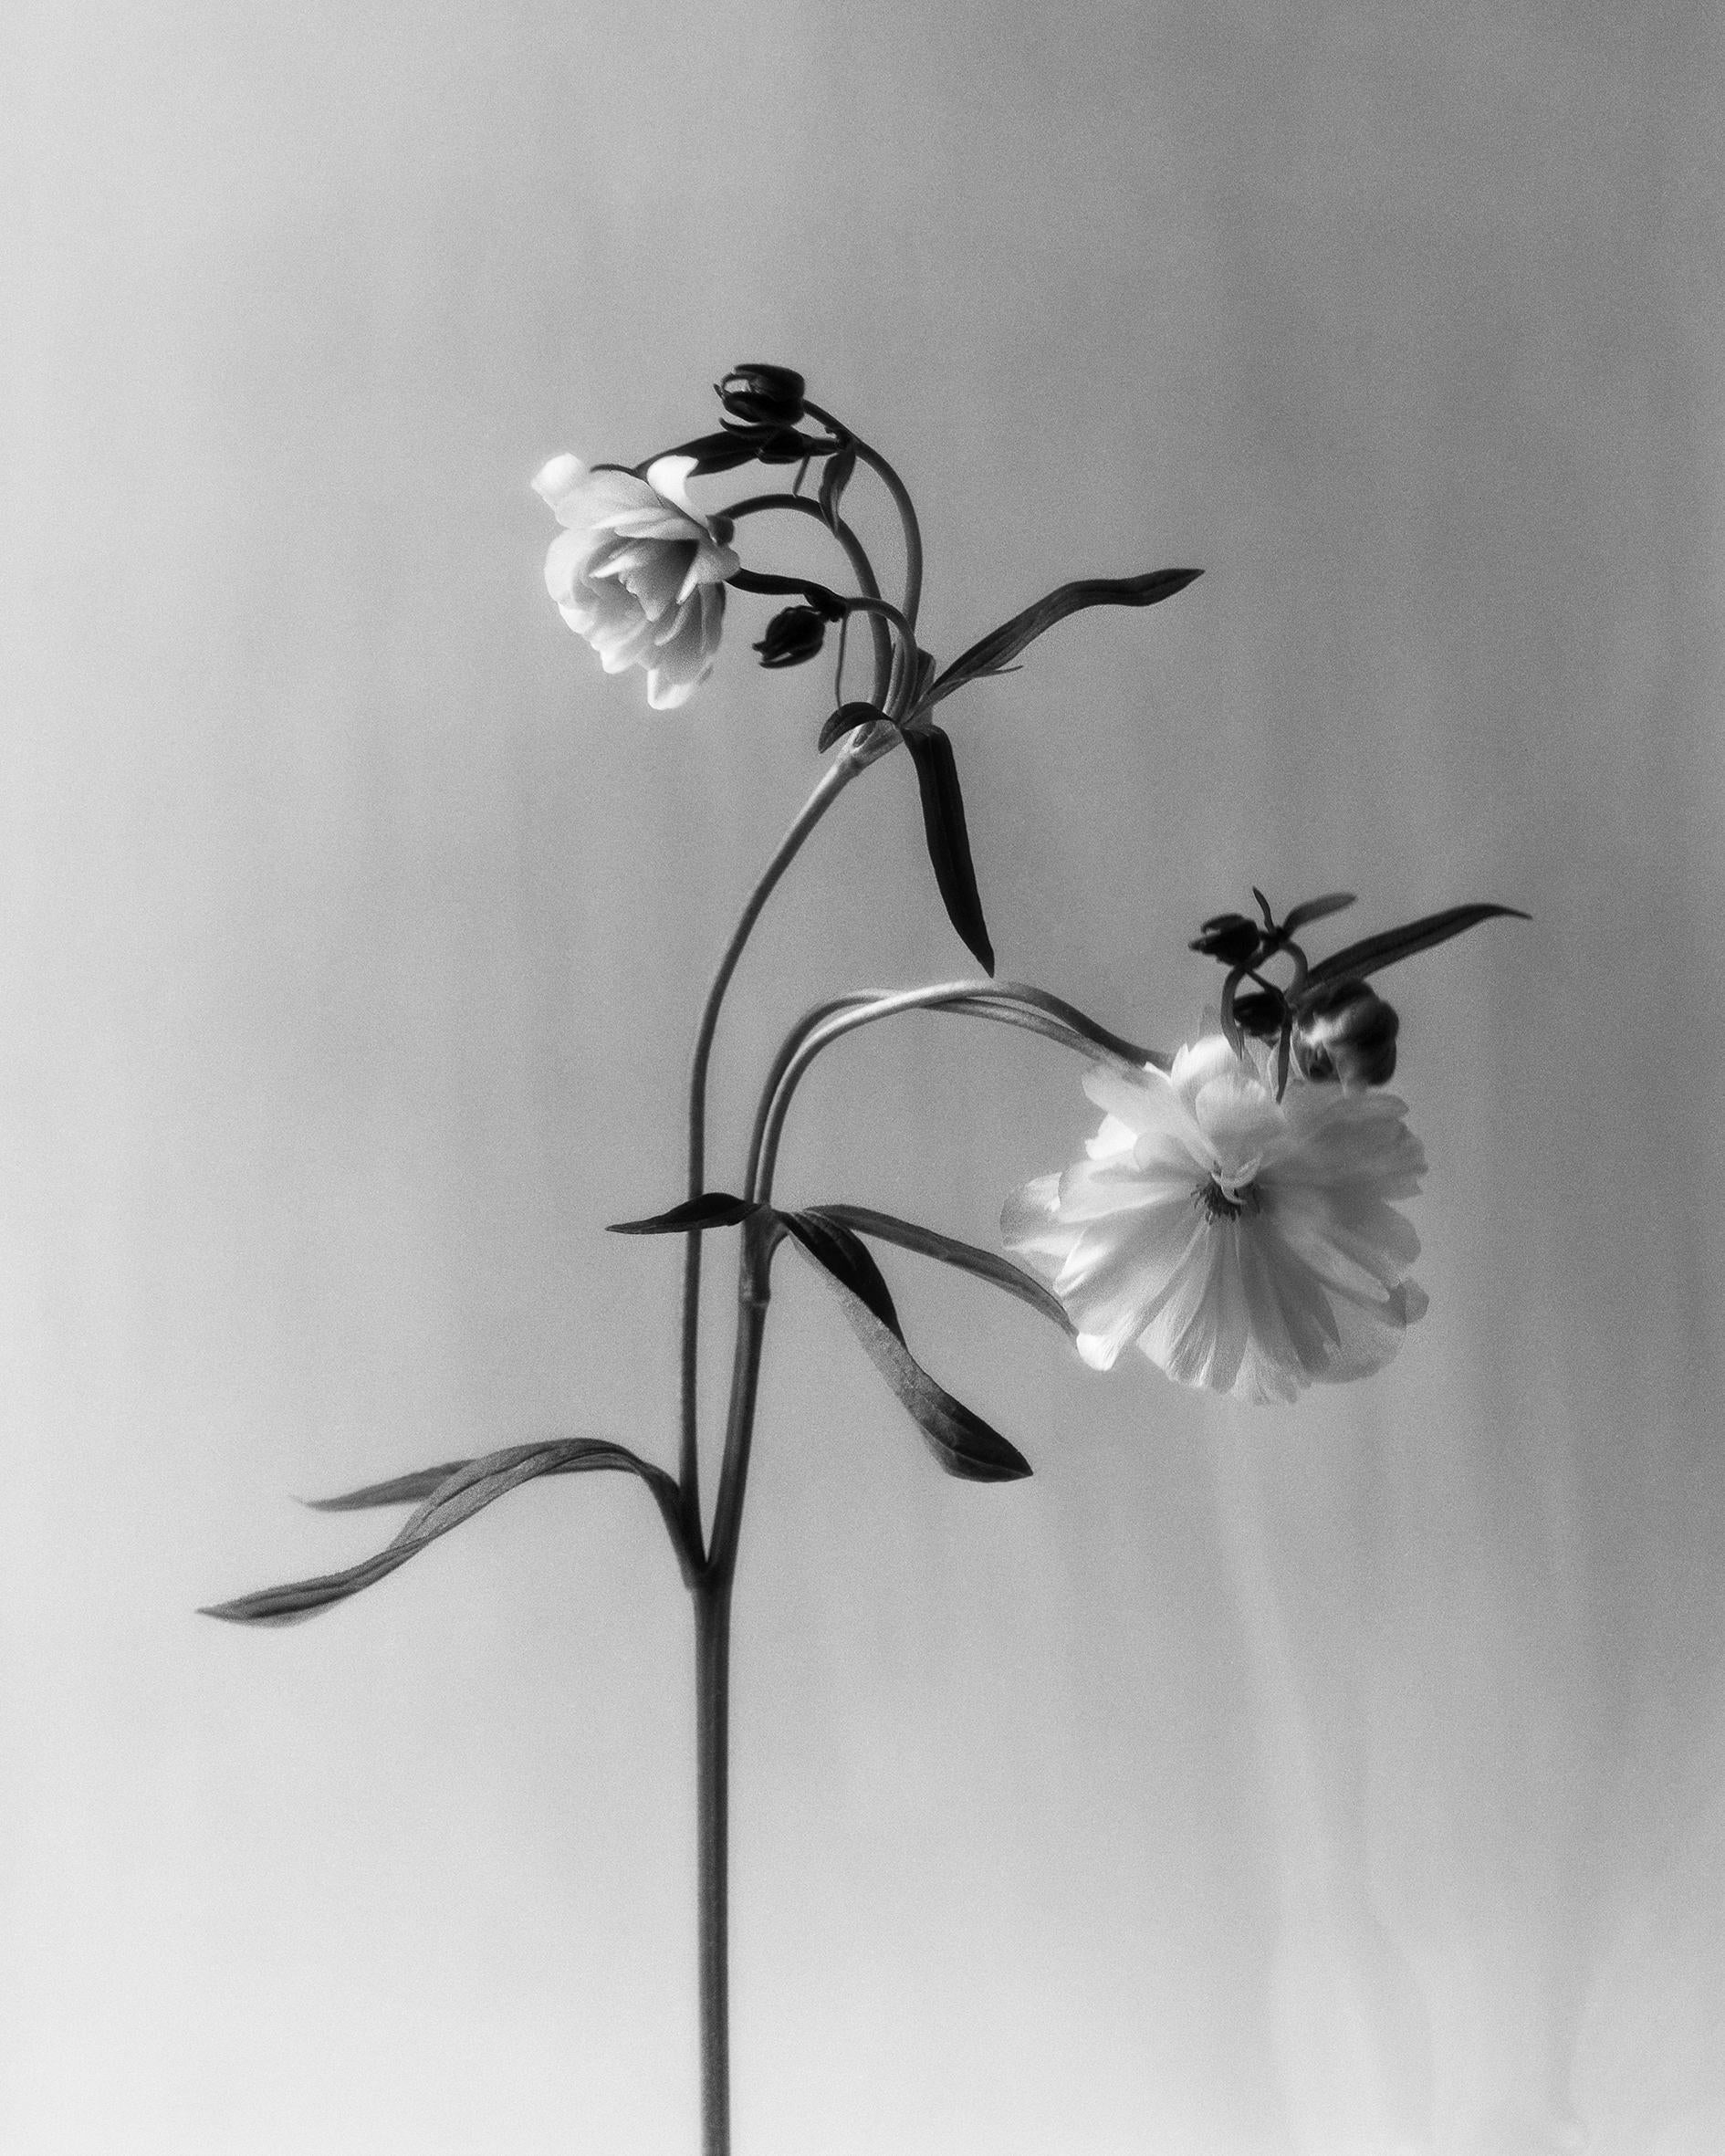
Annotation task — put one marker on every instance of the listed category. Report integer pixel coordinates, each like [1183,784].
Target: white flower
[638,572]
[1248,1245]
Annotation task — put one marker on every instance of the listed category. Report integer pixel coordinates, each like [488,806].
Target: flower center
[1226,1197]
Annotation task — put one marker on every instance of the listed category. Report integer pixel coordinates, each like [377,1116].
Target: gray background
[1336,1779]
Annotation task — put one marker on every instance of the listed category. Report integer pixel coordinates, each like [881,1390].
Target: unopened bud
[792,637]
[1259,1014]
[1347,1035]
[1231,938]
[760,395]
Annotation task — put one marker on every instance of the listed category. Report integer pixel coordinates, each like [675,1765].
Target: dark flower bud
[762,396]
[792,637]
[1347,1035]
[1231,938]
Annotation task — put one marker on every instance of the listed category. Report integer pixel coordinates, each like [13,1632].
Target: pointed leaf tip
[845,720]
[962,1443]
[948,838]
[1316,909]
[1003,645]
[712,1209]
[1396,943]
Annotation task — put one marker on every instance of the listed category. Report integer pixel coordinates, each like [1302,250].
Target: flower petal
[1304,1281]
[557,483]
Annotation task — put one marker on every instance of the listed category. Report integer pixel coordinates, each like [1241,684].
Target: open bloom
[638,572]
[1247,1244]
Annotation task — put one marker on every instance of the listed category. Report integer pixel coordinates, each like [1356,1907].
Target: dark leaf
[712,1209]
[964,1256]
[1314,910]
[833,1246]
[1377,951]
[960,1440]
[949,840]
[465,1489]
[836,478]
[845,719]
[1003,645]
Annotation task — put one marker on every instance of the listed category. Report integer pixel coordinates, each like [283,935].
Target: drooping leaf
[712,1209]
[964,1256]
[948,838]
[1395,944]
[960,1440]
[466,1488]
[1003,645]
[1314,910]
[845,720]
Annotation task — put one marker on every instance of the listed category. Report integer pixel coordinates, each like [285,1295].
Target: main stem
[712,1740]
[711,1593]
[712,1578]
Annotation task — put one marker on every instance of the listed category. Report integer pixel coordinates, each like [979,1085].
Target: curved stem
[862,568]
[837,776]
[903,680]
[1013,1003]
[900,500]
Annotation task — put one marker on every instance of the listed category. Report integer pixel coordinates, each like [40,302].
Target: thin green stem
[1012,1003]
[837,776]
[862,568]
[712,1738]
[913,546]
[712,1598]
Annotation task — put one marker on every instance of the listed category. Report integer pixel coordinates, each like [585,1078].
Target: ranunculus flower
[1247,1244]
[638,572]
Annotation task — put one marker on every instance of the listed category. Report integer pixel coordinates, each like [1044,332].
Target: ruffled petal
[1305,1282]
[669,476]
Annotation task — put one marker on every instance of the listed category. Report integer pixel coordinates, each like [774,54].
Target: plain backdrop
[1342,1779]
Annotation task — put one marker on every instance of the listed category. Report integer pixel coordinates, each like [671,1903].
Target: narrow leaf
[465,1489]
[712,1209]
[845,720]
[1003,645]
[963,1256]
[846,1260]
[960,1440]
[1314,910]
[1379,951]
[400,1489]
[948,838]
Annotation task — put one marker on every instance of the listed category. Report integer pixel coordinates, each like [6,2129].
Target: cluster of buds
[1335,1029]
